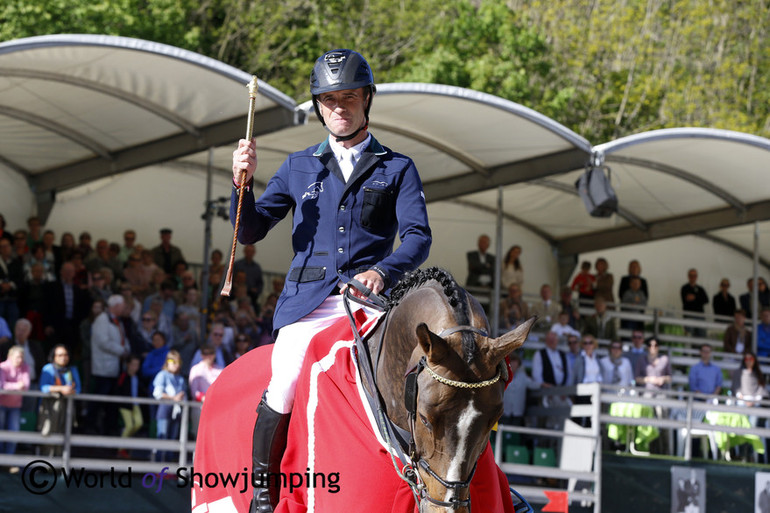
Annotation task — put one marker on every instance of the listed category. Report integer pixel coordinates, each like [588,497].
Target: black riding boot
[268,444]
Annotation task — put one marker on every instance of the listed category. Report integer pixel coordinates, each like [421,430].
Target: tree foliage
[163,21]
[604,69]
[637,65]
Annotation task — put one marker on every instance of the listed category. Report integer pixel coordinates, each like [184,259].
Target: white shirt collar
[348,157]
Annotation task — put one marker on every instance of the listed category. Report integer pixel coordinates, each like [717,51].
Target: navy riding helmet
[338,70]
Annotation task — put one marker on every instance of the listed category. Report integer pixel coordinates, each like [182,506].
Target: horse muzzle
[430,505]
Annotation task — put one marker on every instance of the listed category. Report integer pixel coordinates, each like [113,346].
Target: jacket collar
[368,158]
[374,147]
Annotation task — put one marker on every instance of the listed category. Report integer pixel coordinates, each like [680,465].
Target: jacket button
[341,229]
[340,250]
[342,207]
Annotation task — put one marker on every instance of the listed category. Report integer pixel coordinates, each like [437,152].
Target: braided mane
[454,295]
[419,277]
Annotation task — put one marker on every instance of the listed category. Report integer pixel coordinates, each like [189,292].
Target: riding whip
[249,130]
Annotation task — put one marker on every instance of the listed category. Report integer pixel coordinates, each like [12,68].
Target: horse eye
[425,421]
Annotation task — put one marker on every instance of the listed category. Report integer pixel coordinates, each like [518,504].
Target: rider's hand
[244,159]
[369,279]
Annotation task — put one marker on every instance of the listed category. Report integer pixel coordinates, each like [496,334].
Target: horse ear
[432,345]
[504,345]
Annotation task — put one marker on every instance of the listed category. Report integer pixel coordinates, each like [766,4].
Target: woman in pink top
[202,375]
[14,375]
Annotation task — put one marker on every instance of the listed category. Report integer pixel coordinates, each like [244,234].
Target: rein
[405,448]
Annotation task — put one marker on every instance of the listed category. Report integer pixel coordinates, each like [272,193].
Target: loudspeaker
[594,188]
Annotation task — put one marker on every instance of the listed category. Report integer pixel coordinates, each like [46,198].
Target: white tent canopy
[77,112]
[76,108]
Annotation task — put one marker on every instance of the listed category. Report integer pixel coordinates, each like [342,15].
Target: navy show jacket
[339,228]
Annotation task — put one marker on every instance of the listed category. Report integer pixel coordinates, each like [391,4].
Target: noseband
[410,401]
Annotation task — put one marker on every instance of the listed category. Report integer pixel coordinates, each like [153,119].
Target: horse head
[458,376]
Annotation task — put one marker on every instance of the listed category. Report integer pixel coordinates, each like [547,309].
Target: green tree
[637,65]
[164,21]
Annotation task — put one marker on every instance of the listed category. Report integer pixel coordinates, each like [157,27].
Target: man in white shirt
[549,365]
[616,369]
[550,369]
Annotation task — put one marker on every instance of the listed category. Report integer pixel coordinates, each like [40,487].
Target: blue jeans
[167,429]
[10,420]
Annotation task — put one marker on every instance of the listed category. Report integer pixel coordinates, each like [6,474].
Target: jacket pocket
[306,274]
[377,210]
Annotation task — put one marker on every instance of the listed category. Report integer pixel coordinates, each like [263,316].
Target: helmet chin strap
[342,138]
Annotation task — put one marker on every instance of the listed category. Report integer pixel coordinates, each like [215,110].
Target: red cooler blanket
[349,468]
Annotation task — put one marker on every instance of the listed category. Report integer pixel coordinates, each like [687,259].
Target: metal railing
[66,441]
[676,412]
[579,459]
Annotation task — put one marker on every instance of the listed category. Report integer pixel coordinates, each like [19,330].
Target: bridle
[405,446]
[410,402]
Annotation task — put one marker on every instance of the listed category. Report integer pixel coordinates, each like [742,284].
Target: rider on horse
[349,197]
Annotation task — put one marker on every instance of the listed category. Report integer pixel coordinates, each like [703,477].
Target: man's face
[192,296]
[692,276]
[637,337]
[343,111]
[545,293]
[129,238]
[117,309]
[616,350]
[766,317]
[22,331]
[188,279]
[483,243]
[249,251]
[634,269]
[5,248]
[705,354]
[217,335]
[551,340]
[67,272]
[165,238]
[102,248]
[158,341]
[600,306]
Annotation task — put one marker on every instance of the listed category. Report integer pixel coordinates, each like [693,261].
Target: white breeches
[291,346]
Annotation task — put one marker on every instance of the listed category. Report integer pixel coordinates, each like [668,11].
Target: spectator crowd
[571,340]
[118,319]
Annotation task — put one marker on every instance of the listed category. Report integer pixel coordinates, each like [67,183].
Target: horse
[433,379]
